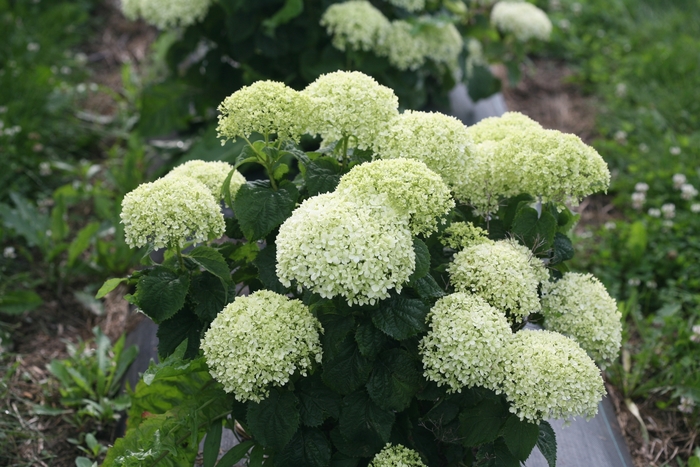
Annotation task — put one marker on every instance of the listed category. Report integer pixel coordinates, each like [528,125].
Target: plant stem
[179,256]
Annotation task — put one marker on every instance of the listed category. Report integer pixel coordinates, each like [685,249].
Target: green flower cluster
[169,212]
[397,456]
[166,14]
[213,174]
[356,24]
[524,20]
[578,306]
[549,376]
[502,274]
[406,185]
[461,235]
[409,5]
[261,340]
[465,344]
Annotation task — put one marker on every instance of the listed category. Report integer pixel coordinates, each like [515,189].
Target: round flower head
[350,103]
[170,212]
[397,456]
[265,107]
[413,190]
[498,128]
[402,46]
[440,141]
[464,346]
[355,24]
[524,20]
[443,43]
[578,306]
[212,174]
[461,235]
[549,376]
[538,268]
[166,14]
[499,273]
[409,5]
[334,246]
[261,340]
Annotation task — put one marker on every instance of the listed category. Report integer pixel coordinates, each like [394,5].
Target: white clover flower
[265,107]
[621,136]
[654,212]
[438,140]
[170,212]
[259,341]
[549,376]
[350,103]
[651,284]
[409,5]
[461,235]
[464,346]
[678,181]
[688,191]
[579,307]
[696,334]
[408,186]
[695,208]
[687,405]
[675,150]
[667,223]
[166,14]
[397,456]
[334,246]
[212,174]
[643,148]
[638,199]
[45,169]
[641,187]
[668,210]
[621,90]
[501,274]
[634,282]
[524,20]
[610,225]
[9,252]
[355,24]
[402,46]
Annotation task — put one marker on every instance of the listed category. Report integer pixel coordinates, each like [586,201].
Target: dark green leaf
[161,293]
[15,302]
[260,209]
[316,401]
[211,260]
[443,412]
[82,241]
[341,460]
[536,232]
[482,83]
[172,332]
[274,420]
[482,424]
[309,447]
[364,423]
[563,249]
[209,296]
[322,175]
[212,442]
[235,454]
[233,228]
[547,443]
[257,455]
[160,113]
[266,262]
[369,339]
[335,329]
[346,369]
[566,220]
[401,317]
[394,381]
[512,206]
[108,286]
[422,260]
[427,288]
[520,437]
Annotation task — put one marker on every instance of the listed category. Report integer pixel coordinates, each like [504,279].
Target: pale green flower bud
[259,341]
[166,14]
[578,306]
[465,344]
[170,212]
[265,107]
[549,376]
[413,190]
[397,456]
[355,24]
[524,20]
[212,174]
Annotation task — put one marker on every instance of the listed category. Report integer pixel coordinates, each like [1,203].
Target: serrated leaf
[108,286]
[427,288]
[401,317]
[266,262]
[341,460]
[443,412]
[364,423]
[260,209]
[422,260]
[482,423]
[82,241]
[547,443]
[161,293]
[211,260]
[512,205]
[274,420]
[316,402]
[209,296]
[394,381]
[322,175]
[346,369]
[172,332]
[309,447]
[536,232]
[520,437]
[370,340]
[563,249]
[335,329]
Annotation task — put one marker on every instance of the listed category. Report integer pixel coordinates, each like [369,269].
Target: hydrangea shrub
[357,309]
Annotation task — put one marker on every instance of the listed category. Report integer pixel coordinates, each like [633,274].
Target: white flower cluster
[688,191]
[166,14]
[259,341]
[409,5]
[465,344]
[502,274]
[461,235]
[171,211]
[397,456]
[212,174]
[406,185]
[579,307]
[549,376]
[524,20]
[355,23]
[640,195]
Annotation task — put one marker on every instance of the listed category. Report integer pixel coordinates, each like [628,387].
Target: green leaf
[59,223]
[637,241]
[160,112]
[81,461]
[520,437]
[184,325]
[316,402]
[443,412]
[512,205]
[365,424]
[161,293]
[394,381]
[563,249]
[566,220]
[235,454]
[274,420]
[81,241]
[257,455]
[341,460]
[26,221]
[211,260]
[266,262]
[693,461]
[108,286]
[422,260]
[212,442]
[536,232]
[260,209]
[547,443]
[335,328]
[309,447]
[346,369]
[15,302]
[322,175]
[209,296]
[482,424]
[427,288]
[401,317]
[370,340]
[482,84]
